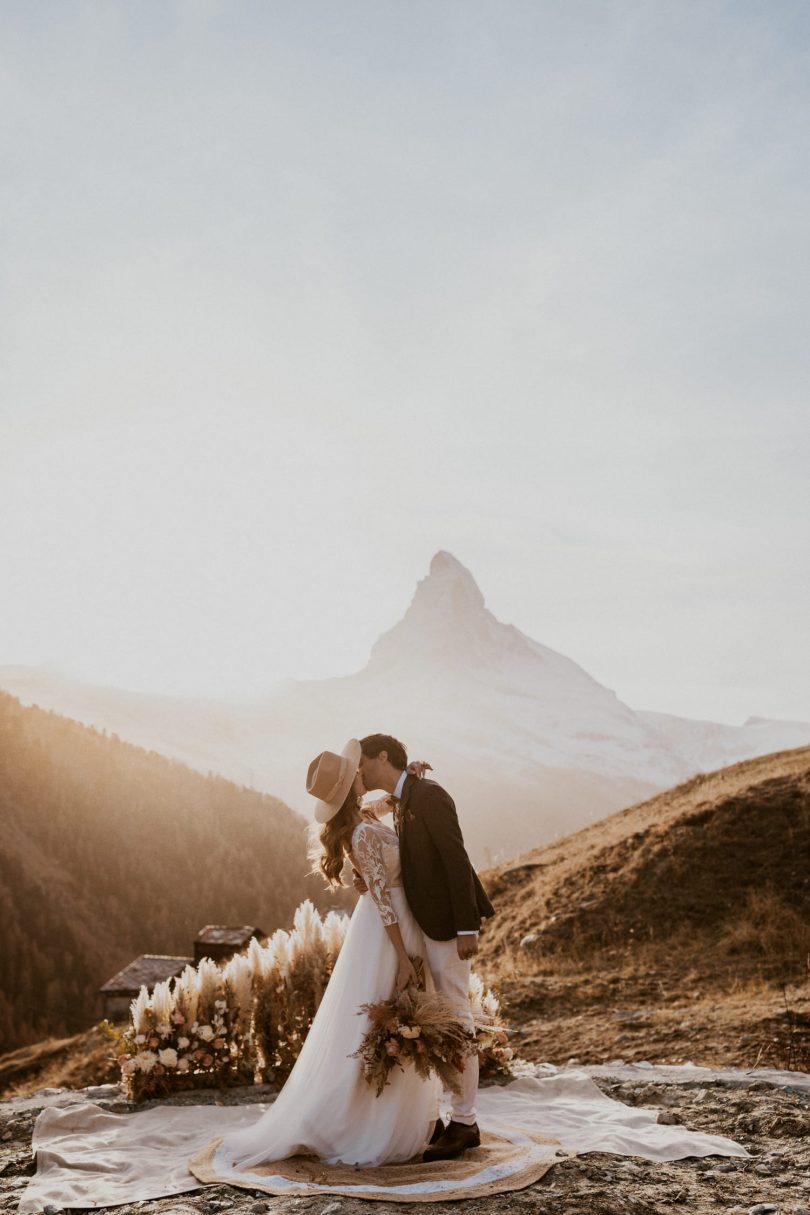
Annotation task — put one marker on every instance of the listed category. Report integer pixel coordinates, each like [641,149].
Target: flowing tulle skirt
[326,1108]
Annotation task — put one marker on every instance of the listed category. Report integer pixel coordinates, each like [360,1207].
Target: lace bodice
[375,850]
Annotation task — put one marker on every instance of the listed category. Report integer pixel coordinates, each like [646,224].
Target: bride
[326,1108]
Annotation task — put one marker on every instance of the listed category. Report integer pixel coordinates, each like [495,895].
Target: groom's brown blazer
[441,886]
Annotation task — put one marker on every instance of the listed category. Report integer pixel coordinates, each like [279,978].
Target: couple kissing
[421,898]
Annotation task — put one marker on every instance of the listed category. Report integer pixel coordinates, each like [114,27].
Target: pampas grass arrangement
[245,1022]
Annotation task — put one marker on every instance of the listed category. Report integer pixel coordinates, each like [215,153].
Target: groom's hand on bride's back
[358,883]
[467,945]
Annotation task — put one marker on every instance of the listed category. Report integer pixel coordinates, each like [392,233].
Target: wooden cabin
[220,942]
[147,970]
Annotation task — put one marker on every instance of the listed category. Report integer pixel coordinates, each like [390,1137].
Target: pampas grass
[246,1021]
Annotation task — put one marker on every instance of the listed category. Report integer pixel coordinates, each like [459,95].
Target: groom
[447,901]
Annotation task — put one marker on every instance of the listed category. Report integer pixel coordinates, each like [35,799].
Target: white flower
[410,1031]
[146,1060]
[205,1032]
[168,1057]
[220,1003]
[140,1037]
[182,1043]
[163,1028]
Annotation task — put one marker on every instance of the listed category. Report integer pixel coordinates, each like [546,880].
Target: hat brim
[324,811]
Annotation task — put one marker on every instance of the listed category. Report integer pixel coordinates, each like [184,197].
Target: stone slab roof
[147,970]
[221,934]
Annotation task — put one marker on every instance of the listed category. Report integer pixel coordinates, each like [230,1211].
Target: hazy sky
[295,294]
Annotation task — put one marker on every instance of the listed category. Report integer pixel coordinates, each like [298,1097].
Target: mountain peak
[449,580]
[446,619]
[445,563]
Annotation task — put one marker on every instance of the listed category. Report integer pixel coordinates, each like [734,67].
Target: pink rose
[178,1018]
[199,1054]
[153,1041]
[129,1067]
[207,1060]
[219,1043]
[392,1048]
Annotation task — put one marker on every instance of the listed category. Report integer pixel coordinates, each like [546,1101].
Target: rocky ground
[772,1122]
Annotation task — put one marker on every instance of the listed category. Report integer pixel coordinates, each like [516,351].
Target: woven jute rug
[509,1160]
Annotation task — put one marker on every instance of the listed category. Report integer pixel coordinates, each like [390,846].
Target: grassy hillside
[676,929]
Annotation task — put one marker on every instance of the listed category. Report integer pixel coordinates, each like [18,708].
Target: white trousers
[451,976]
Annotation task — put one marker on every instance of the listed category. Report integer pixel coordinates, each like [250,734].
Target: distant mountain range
[528,743]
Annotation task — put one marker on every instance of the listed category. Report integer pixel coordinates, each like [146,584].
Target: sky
[294,294]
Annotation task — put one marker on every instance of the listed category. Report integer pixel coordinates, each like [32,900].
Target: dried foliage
[247,1020]
[421,1029]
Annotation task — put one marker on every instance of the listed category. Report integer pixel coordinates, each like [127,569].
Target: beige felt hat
[330,778]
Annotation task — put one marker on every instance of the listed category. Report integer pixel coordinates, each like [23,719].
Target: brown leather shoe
[438,1131]
[457,1138]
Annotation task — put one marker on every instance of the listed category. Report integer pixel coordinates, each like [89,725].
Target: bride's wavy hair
[334,840]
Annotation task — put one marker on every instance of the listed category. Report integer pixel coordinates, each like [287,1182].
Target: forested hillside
[108,851]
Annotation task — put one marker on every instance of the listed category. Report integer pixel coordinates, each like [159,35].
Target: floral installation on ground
[245,1021]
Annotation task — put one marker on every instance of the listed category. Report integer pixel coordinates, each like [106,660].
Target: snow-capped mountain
[527,742]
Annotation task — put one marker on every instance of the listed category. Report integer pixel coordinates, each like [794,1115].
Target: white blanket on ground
[88,1157]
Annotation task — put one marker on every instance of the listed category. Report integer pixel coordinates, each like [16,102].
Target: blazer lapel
[402,817]
[410,781]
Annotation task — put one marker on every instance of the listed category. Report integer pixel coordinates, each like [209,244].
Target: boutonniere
[402,813]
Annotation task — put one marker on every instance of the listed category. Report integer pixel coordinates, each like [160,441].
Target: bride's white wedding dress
[326,1108]
[88,1157]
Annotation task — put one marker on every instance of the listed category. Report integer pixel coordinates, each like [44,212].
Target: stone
[762,1208]
[332,1208]
[259,1207]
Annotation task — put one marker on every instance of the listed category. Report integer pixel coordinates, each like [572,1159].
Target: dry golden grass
[608,942]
